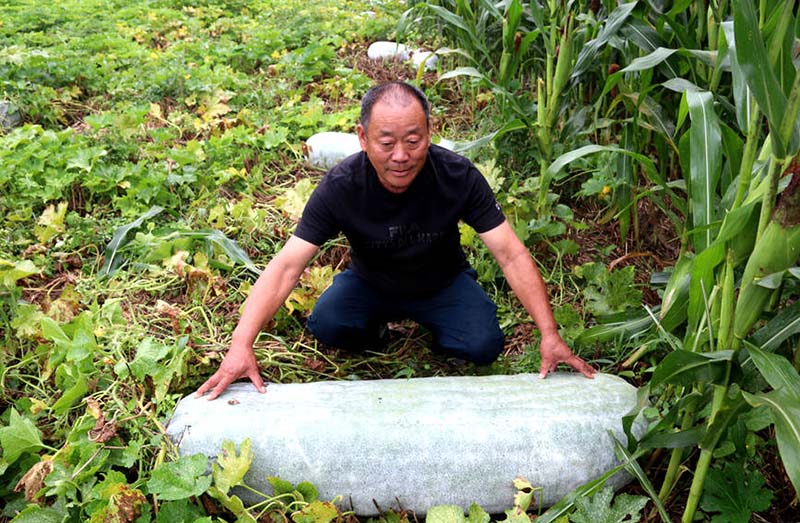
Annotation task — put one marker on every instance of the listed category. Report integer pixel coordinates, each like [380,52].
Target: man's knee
[335,331]
[480,348]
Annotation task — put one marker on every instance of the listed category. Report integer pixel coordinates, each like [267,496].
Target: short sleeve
[482,212]
[318,223]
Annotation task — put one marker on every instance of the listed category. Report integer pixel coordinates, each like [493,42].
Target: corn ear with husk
[563,71]
[776,250]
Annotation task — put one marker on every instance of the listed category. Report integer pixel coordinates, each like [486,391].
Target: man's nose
[399,153]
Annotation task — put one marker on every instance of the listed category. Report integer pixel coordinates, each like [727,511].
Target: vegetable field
[151,162]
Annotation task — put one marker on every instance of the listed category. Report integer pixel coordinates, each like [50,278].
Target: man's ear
[362,137]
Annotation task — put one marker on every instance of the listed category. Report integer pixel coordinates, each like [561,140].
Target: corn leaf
[676,294]
[785,407]
[742,96]
[623,327]
[727,414]
[674,440]
[565,159]
[780,328]
[635,470]
[705,166]
[683,367]
[588,54]
[121,237]
[777,370]
[751,54]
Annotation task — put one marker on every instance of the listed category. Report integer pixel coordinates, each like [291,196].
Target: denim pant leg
[349,314]
[463,320]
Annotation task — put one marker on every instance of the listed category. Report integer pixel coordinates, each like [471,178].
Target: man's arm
[526,282]
[267,295]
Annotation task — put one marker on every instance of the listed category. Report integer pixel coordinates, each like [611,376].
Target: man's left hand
[554,351]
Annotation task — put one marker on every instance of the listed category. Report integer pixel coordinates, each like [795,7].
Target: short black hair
[395,89]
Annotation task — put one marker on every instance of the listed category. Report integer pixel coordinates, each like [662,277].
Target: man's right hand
[239,362]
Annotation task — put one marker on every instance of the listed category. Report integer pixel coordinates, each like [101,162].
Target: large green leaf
[785,408]
[777,370]
[676,294]
[751,54]
[183,478]
[742,96]
[683,367]
[20,436]
[565,159]
[706,163]
[588,54]
[622,327]
[636,471]
[728,413]
[121,238]
[784,325]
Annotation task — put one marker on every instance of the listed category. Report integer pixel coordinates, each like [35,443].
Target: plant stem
[748,156]
[706,454]
[727,304]
[768,202]
[701,469]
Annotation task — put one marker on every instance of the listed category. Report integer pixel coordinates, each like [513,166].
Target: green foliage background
[159,163]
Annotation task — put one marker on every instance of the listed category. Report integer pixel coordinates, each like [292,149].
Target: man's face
[396,141]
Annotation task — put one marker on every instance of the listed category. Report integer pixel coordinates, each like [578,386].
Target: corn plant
[741,239]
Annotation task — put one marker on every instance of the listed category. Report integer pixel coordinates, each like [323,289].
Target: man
[399,202]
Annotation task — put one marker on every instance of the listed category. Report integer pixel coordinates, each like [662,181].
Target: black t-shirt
[406,243]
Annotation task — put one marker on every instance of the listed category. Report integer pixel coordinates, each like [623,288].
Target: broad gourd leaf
[20,436]
[735,493]
[599,508]
[179,511]
[180,479]
[232,503]
[230,467]
[316,512]
[11,273]
[445,514]
[477,514]
[37,514]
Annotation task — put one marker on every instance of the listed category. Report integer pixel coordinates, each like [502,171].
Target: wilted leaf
[316,512]
[230,467]
[51,222]
[180,479]
[477,514]
[293,201]
[524,495]
[33,480]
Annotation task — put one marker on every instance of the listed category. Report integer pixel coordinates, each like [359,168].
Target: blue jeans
[462,318]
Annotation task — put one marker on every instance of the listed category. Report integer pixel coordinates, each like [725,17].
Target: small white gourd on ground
[326,149]
[382,50]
